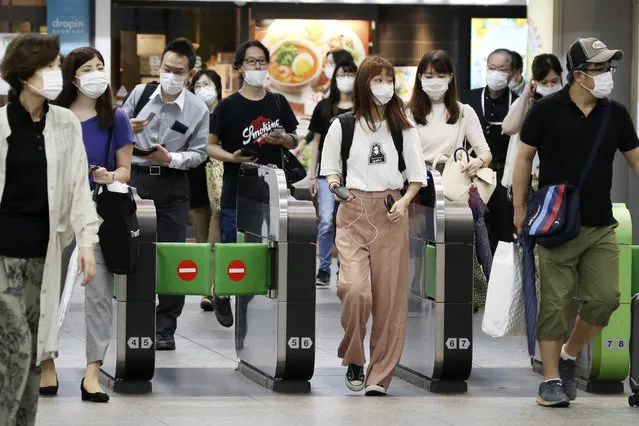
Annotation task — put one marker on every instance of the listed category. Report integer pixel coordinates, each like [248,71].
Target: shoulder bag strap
[145,98]
[595,148]
[347,121]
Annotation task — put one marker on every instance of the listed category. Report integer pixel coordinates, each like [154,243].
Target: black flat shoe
[50,390]
[93,397]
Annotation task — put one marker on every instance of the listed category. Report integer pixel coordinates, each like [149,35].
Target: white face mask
[383,93]
[51,84]
[545,91]
[603,85]
[93,84]
[435,88]
[255,78]
[171,83]
[512,84]
[496,80]
[329,70]
[207,94]
[345,84]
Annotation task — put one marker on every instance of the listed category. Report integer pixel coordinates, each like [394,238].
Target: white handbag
[457,182]
[505,311]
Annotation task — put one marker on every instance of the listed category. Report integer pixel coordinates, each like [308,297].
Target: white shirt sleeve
[331,152]
[414,157]
[474,132]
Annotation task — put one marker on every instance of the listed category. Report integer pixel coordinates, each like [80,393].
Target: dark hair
[420,105]
[334,96]
[26,54]
[363,102]
[340,55]
[240,55]
[543,64]
[182,47]
[72,62]
[517,60]
[507,52]
[215,78]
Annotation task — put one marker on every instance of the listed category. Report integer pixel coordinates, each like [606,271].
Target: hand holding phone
[143,152]
[342,192]
[276,129]
[150,118]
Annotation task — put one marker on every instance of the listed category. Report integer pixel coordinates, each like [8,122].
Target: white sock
[565,356]
[552,380]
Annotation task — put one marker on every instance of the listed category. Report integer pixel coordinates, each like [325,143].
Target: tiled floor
[198,385]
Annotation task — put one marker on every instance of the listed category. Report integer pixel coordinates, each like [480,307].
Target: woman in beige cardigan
[44,199]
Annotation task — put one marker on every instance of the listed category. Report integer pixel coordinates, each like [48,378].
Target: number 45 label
[616,344]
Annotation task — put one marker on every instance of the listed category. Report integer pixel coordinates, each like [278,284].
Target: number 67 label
[616,344]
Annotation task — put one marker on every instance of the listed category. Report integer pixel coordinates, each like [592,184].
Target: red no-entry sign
[237,270]
[187,270]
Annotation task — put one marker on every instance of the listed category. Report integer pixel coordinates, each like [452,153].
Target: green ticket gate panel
[183,269]
[635,270]
[242,269]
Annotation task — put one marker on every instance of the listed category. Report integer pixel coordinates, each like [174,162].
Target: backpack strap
[347,121]
[398,141]
[149,89]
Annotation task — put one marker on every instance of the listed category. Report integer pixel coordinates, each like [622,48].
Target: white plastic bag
[505,313]
[72,280]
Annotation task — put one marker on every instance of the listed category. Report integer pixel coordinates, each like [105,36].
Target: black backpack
[347,121]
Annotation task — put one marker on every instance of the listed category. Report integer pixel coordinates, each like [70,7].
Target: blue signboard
[71,21]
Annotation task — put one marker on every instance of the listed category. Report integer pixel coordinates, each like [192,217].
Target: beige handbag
[457,183]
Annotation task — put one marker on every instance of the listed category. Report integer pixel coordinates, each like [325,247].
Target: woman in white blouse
[442,122]
[443,125]
[371,240]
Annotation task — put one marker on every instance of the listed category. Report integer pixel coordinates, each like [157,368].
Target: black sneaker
[207,304]
[323,279]
[164,342]
[223,311]
[375,390]
[355,379]
[568,374]
[551,394]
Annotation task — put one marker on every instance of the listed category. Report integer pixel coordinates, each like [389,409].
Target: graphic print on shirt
[258,130]
[377,155]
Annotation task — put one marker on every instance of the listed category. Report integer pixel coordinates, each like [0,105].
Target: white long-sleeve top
[440,139]
[372,162]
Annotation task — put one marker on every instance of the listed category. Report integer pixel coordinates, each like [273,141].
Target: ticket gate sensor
[438,347]
[130,360]
[275,333]
[603,364]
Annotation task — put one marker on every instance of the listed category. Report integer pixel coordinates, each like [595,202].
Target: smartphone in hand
[249,151]
[389,202]
[342,192]
[143,152]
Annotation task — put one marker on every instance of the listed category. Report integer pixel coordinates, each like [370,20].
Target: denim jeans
[326,228]
[228,225]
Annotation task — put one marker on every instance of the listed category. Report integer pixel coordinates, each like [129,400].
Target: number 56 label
[616,344]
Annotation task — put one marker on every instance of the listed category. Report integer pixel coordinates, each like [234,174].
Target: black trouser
[500,217]
[170,192]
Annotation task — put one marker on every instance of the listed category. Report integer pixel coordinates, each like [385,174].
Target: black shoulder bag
[119,233]
[293,168]
[553,213]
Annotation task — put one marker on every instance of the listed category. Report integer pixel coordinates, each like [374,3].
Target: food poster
[298,49]
[405,81]
[488,34]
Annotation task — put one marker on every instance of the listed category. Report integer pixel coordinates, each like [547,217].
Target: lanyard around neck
[483,107]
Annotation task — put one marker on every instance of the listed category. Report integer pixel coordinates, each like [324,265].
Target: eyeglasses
[350,74]
[252,61]
[609,68]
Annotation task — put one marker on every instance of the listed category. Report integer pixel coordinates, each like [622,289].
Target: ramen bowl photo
[294,65]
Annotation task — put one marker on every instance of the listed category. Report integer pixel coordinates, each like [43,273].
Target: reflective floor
[197,385]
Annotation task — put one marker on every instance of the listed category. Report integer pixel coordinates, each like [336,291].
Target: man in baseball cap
[577,132]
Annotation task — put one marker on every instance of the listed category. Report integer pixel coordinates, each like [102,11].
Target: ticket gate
[130,360]
[438,347]
[275,333]
[603,364]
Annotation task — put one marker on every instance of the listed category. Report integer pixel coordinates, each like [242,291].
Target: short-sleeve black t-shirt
[565,137]
[238,121]
[321,121]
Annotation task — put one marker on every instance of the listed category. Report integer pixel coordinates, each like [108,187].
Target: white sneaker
[375,390]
